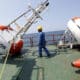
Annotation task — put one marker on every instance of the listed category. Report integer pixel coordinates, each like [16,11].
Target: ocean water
[51,38]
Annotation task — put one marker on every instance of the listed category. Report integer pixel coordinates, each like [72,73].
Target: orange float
[76,63]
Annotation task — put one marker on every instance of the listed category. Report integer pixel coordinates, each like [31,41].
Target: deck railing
[51,39]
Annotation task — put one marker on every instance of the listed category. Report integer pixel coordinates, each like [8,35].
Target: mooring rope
[4,64]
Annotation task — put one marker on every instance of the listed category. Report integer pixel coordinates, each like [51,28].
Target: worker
[42,42]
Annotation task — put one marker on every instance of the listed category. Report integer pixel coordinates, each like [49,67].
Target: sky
[55,17]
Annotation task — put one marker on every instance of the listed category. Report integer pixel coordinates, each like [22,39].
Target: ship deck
[32,67]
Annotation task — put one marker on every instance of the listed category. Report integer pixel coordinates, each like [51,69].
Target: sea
[52,37]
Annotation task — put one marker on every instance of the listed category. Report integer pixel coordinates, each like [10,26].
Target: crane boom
[36,14]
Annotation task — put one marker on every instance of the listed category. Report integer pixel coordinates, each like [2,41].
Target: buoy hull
[16,48]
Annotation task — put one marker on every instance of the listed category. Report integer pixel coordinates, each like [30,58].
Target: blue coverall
[42,44]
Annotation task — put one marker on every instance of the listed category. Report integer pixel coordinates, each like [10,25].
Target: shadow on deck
[31,67]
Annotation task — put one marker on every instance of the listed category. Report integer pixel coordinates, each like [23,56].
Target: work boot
[48,55]
[40,56]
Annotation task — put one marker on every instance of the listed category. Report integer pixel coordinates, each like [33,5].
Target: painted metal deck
[31,67]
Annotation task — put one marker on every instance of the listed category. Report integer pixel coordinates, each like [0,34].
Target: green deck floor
[31,67]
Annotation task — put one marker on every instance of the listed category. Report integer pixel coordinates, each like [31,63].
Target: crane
[11,37]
